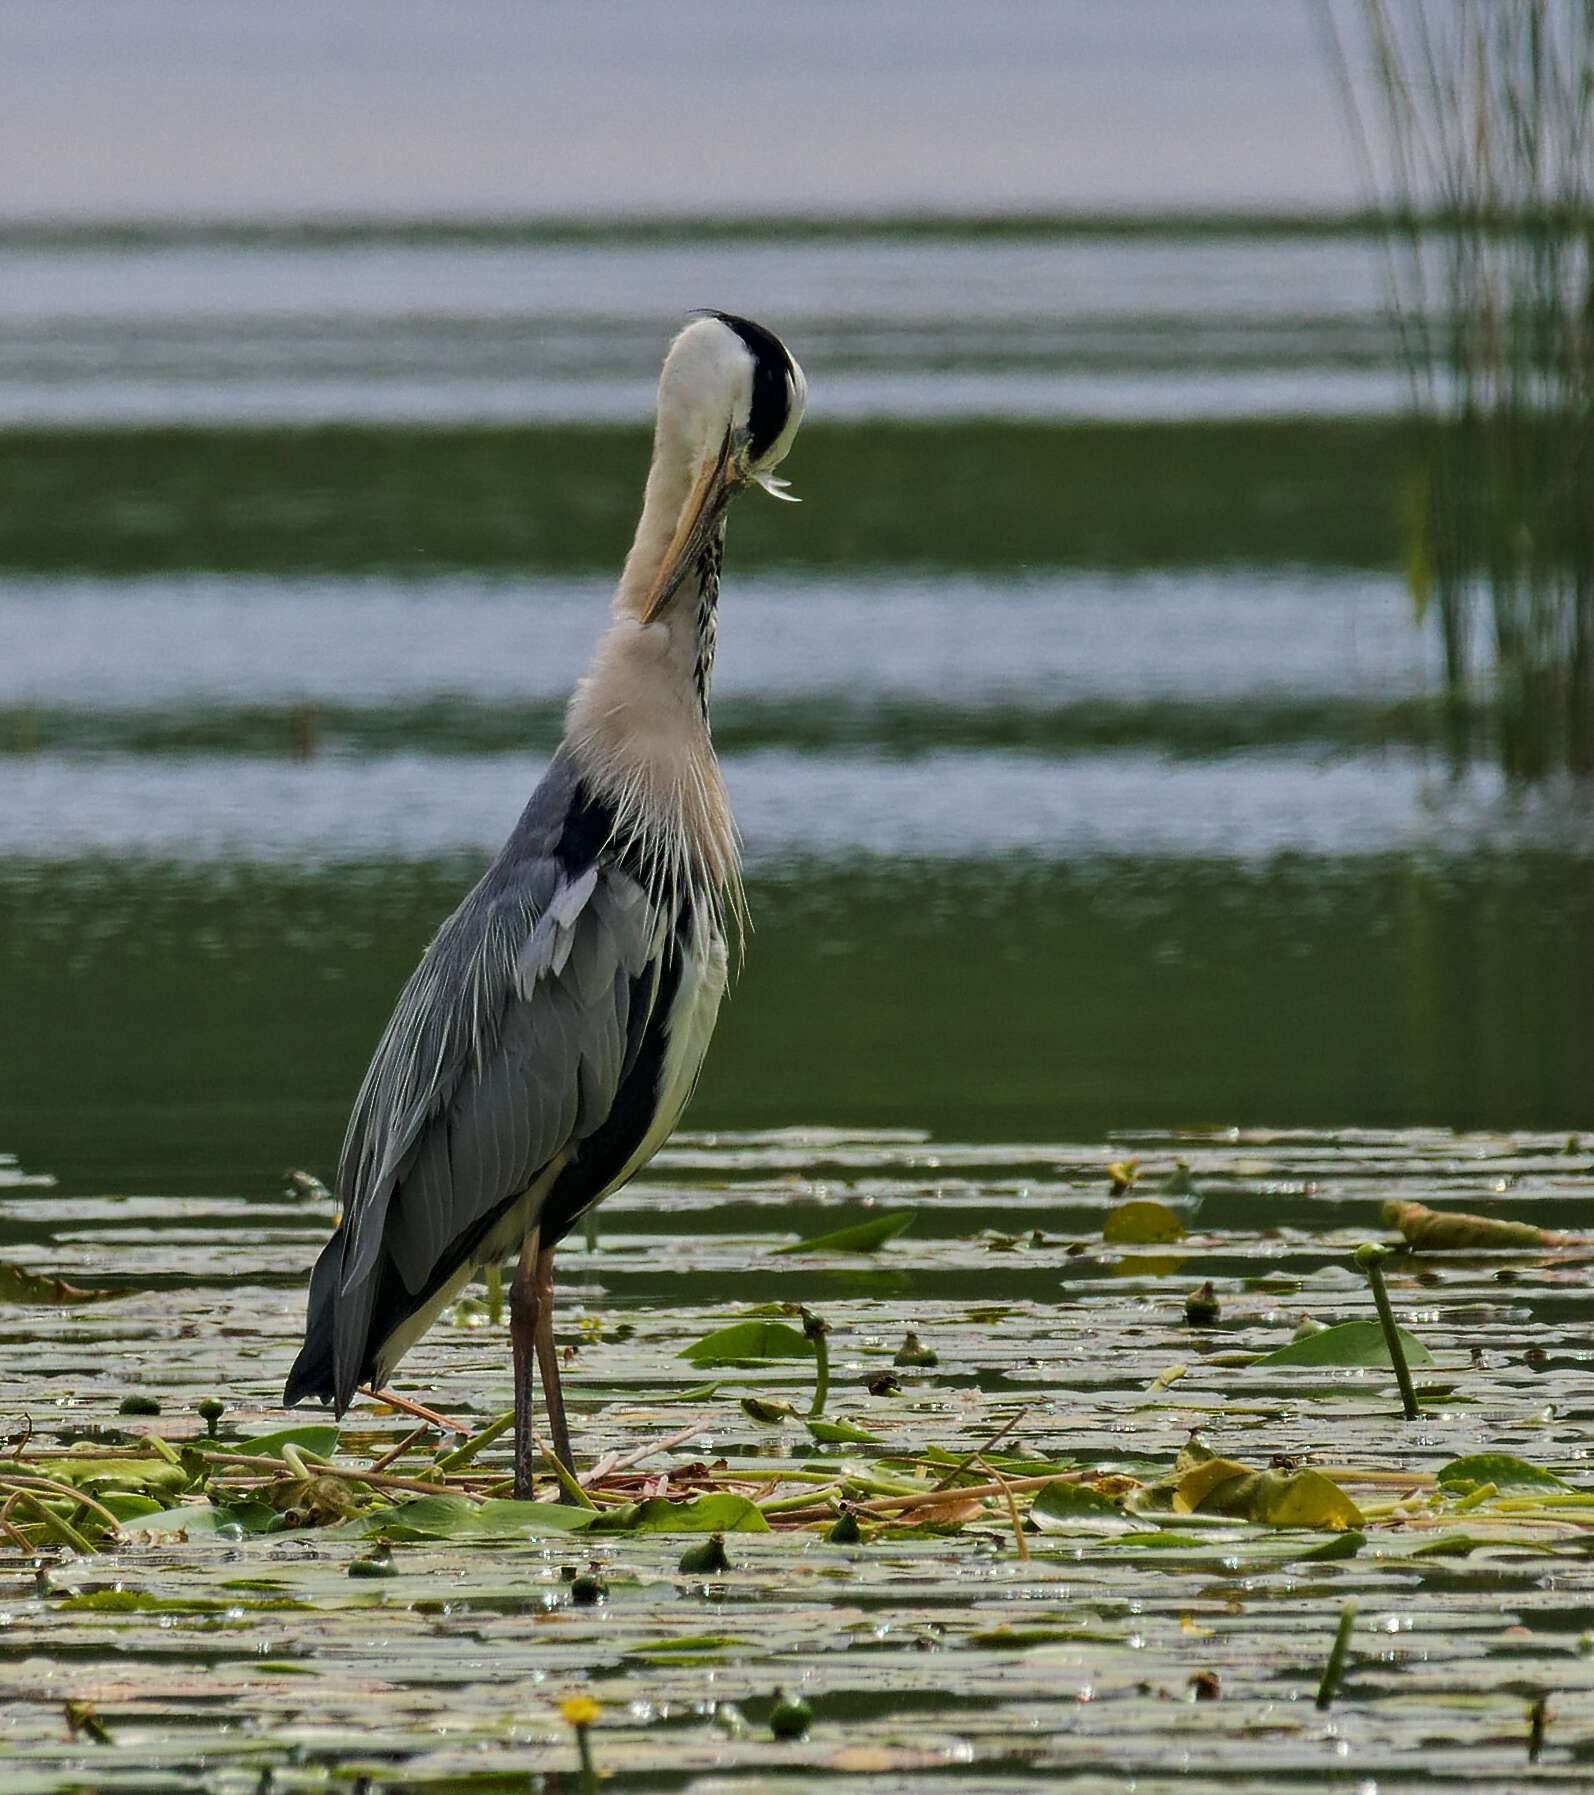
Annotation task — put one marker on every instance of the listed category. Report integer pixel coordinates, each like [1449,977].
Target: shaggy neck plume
[638,722]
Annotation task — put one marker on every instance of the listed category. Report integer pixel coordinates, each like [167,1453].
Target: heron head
[730,399]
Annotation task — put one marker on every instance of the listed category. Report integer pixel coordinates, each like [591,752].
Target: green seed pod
[376,1564]
[1201,1307]
[845,1531]
[789,1719]
[913,1351]
[707,1556]
[139,1404]
[588,1590]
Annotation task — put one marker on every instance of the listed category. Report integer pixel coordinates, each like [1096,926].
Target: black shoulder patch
[772,382]
[589,825]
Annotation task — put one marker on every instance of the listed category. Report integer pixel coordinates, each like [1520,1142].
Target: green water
[172,1028]
[992,496]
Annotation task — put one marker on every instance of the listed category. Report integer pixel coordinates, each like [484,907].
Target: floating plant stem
[1538,1713]
[395,1453]
[1337,1654]
[816,1330]
[1012,1507]
[462,1455]
[566,1480]
[493,1280]
[1370,1258]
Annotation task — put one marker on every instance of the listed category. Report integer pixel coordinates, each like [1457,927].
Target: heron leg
[524,1304]
[548,1361]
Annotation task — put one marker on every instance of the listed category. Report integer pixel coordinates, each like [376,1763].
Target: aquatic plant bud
[587,1590]
[913,1351]
[1201,1306]
[707,1556]
[790,1718]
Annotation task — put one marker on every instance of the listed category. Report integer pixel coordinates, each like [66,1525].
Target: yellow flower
[580,1710]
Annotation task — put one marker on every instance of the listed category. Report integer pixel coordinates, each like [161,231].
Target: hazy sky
[123,107]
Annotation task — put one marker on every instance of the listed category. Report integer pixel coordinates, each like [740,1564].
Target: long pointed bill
[699,517]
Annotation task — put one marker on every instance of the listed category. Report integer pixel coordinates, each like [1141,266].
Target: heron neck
[638,721]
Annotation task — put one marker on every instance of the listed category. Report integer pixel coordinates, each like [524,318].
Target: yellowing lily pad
[1142,1221]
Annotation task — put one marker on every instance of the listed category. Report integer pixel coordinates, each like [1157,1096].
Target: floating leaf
[836,1433]
[1499,1468]
[1192,1483]
[458,1517]
[767,1414]
[239,1514]
[1062,1507]
[749,1343]
[19,1285]
[319,1437]
[1283,1499]
[1351,1343]
[155,1477]
[691,1646]
[1142,1221]
[866,1237]
[1347,1545]
[129,1505]
[1203,1483]
[1454,1230]
[722,1512]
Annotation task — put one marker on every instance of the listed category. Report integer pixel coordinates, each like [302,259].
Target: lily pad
[1142,1221]
[1063,1507]
[457,1517]
[749,1343]
[19,1285]
[836,1433]
[866,1237]
[1456,1230]
[1283,1499]
[319,1437]
[1513,1475]
[1351,1343]
[721,1512]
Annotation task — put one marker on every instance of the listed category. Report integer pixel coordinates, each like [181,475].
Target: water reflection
[198,1028]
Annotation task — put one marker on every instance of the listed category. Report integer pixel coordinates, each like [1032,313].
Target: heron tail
[313,1372]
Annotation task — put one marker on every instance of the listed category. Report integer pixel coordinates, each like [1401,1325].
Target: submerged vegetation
[1476,125]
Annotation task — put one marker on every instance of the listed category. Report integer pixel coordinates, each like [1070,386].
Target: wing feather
[505,1050]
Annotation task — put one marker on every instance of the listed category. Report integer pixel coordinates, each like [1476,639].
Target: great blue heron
[548,1041]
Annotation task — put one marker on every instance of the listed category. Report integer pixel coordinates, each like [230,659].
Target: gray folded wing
[504,1052]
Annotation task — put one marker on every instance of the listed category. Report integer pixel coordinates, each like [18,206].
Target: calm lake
[1079,723]
[1099,807]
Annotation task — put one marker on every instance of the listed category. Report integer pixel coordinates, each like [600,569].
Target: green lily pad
[1062,1507]
[319,1437]
[749,1343]
[690,1647]
[720,1513]
[866,1237]
[1351,1343]
[457,1517]
[838,1433]
[1507,1474]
